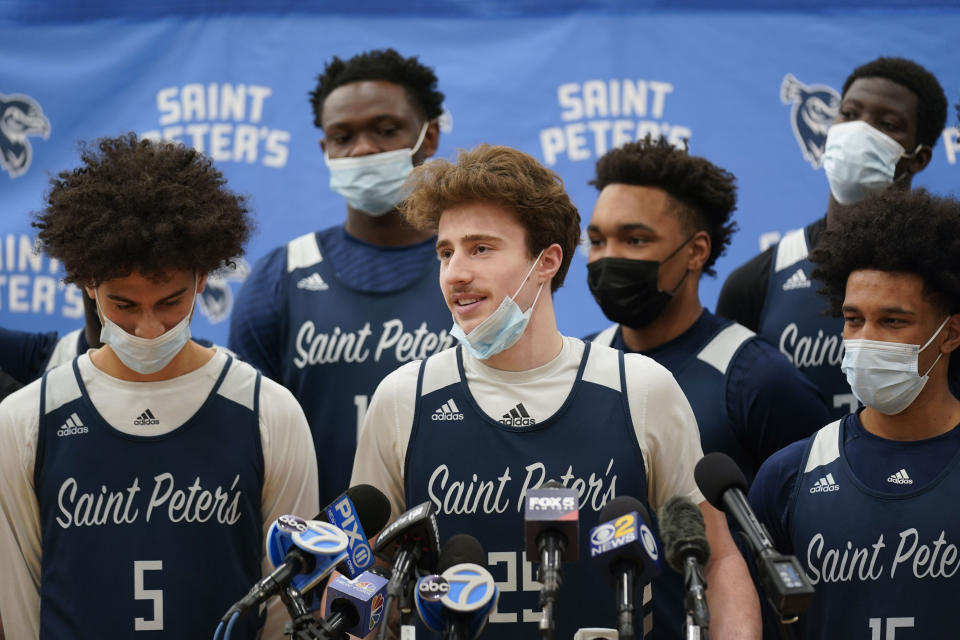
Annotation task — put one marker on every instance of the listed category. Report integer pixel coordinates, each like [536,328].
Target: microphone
[360,509]
[305,552]
[459,601]
[409,543]
[624,545]
[687,550]
[552,530]
[783,579]
[310,550]
[354,606]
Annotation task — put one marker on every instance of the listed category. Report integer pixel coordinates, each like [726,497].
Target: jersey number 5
[156,595]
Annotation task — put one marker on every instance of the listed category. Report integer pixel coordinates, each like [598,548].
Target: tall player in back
[330,313]
[867,503]
[137,482]
[891,115]
[472,428]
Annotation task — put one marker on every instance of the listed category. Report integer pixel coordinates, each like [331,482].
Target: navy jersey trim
[534,427]
[335,275]
[881,495]
[777,264]
[110,429]
[625,407]
[415,429]
[41,440]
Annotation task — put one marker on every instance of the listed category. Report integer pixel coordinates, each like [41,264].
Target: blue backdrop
[751,89]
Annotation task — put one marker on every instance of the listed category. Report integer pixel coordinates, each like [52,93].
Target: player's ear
[952,331]
[549,263]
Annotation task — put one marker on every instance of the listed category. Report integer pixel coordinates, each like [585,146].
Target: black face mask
[627,290]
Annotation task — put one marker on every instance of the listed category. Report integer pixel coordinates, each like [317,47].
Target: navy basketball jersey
[340,342]
[884,566]
[703,378]
[794,322]
[476,471]
[148,534]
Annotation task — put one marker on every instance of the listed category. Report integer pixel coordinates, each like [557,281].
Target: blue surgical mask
[374,183]
[502,328]
[146,355]
[885,375]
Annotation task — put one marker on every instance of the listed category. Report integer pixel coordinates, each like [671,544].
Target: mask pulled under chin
[145,355]
[885,375]
[501,329]
[374,183]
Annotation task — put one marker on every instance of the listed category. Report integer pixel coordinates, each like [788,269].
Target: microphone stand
[626,609]
[788,628]
[302,625]
[695,601]
[551,557]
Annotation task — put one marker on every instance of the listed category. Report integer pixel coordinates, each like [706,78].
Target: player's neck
[190,358]
[934,412]
[679,316]
[540,343]
[835,211]
[388,230]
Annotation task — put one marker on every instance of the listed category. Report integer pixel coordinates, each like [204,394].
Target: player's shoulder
[24,403]
[640,367]
[781,469]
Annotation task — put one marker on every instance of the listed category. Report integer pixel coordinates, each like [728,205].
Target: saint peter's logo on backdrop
[598,115]
[814,108]
[229,122]
[216,300]
[21,117]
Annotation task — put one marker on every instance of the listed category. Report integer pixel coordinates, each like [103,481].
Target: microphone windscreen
[372,506]
[380,570]
[461,548]
[715,474]
[683,532]
[623,505]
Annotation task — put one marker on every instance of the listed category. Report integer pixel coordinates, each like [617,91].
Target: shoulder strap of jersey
[791,249]
[603,365]
[824,447]
[719,351]
[303,252]
[606,336]
[439,370]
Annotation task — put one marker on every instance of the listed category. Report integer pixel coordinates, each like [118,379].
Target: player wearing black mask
[660,222]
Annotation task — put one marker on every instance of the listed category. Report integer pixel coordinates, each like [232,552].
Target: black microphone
[624,545]
[783,579]
[409,543]
[685,544]
[372,509]
[552,528]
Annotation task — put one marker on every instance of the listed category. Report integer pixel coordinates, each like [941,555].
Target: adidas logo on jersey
[313,282]
[825,484]
[72,427]
[798,280]
[517,417]
[145,419]
[447,411]
[900,477]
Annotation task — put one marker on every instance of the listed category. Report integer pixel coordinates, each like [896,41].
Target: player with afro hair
[139,205]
